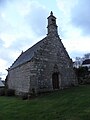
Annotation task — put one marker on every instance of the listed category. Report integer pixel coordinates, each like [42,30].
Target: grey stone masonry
[46,66]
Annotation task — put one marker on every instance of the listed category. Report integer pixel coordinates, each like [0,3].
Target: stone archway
[55,80]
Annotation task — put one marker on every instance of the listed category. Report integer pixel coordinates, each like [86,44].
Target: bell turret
[52,26]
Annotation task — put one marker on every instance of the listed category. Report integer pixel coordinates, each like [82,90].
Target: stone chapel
[46,66]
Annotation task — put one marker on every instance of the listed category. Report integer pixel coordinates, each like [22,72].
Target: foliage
[68,104]
[10,92]
[82,75]
[2,91]
[24,96]
[87,56]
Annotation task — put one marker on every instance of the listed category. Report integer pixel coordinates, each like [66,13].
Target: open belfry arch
[46,66]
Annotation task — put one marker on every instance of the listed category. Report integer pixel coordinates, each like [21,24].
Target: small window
[53,21]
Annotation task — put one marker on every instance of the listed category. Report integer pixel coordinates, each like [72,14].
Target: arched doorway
[55,80]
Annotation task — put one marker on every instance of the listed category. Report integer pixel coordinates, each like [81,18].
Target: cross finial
[51,13]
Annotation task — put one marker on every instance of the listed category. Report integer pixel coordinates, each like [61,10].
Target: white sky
[24,22]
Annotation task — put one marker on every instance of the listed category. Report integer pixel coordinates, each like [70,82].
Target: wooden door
[55,81]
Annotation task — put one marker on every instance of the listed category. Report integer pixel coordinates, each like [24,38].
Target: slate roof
[27,55]
[1,84]
[87,61]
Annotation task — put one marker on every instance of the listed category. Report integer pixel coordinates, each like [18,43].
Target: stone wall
[52,54]
[19,78]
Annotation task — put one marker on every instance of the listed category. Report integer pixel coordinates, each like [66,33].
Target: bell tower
[52,27]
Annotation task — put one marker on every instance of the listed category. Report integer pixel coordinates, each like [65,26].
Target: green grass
[68,104]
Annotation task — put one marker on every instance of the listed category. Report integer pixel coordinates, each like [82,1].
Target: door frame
[55,80]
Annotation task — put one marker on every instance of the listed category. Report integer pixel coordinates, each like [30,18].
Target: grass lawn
[68,104]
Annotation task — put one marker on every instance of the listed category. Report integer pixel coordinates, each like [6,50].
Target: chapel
[46,66]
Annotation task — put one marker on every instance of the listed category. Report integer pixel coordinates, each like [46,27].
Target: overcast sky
[24,22]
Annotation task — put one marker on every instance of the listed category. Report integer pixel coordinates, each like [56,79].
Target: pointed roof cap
[51,13]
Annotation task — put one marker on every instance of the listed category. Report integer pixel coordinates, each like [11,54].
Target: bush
[82,74]
[24,96]
[10,92]
[2,91]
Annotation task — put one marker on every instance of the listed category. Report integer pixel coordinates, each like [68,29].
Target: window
[53,21]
